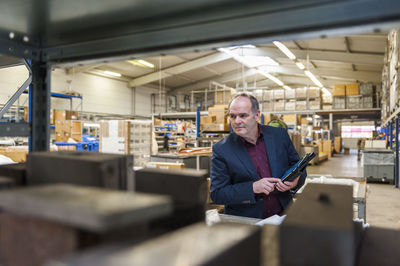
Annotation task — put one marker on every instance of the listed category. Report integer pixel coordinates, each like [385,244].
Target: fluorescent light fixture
[256,61]
[144,62]
[313,78]
[241,46]
[115,74]
[287,88]
[274,79]
[284,50]
[325,91]
[309,118]
[300,65]
[141,63]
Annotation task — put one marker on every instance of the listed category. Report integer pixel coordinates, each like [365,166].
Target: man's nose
[237,120]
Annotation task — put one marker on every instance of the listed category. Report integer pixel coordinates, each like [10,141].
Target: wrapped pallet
[127,137]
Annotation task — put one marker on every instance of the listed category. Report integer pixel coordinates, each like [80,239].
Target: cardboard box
[26,114]
[279,106]
[268,95]
[279,94]
[71,115]
[157,121]
[290,94]
[220,112]
[339,90]
[304,121]
[301,105]
[17,155]
[352,89]
[314,105]
[68,129]
[314,93]
[301,93]
[223,97]
[327,147]
[59,115]
[338,144]
[267,106]
[66,148]
[165,165]
[268,117]
[291,119]
[290,106]
[217,127]
[207,119]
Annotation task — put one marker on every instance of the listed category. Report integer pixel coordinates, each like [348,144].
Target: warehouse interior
[109,114]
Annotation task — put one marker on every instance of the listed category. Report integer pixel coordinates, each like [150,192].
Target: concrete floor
[383,200]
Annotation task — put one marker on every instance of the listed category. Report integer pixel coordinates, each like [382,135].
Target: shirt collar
[259,135]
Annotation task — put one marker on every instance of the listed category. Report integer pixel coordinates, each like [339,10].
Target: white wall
[10,80]
[143,100]
[100,94]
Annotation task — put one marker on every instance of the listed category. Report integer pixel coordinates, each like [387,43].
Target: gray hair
[254,102]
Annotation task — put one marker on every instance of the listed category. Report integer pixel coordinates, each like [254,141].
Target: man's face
[243,121]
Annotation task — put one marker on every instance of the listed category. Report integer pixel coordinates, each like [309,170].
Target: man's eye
[232,116]
[243,115]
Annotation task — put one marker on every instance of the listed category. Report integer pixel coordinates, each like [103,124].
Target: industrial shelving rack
[59,34]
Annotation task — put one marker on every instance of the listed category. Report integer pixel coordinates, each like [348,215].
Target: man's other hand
[287,185]
[265,185]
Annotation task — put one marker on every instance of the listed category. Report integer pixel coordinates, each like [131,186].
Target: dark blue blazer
[233,173]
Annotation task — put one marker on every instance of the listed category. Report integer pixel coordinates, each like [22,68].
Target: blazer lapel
[240,151]
[271,150]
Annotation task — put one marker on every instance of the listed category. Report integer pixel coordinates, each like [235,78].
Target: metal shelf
[333,111]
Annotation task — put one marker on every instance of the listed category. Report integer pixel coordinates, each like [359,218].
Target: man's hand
[265,185]
[287,185]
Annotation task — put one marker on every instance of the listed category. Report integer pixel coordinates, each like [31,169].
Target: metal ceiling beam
[246,21]
[305,81]
[320,55]
[178,69]
[80,69]
[365,76]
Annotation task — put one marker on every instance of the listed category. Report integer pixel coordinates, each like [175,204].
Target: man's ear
[257,116]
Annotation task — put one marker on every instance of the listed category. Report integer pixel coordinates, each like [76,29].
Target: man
[246,166]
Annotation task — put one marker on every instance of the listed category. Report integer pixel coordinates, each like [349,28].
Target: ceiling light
[112,73]
[285,50]
[325,91]
[237,57]
[141,63]
[241,46]
[287,87]
[313,78]
[300,65]
[274,79]
[256,61]
[309,118]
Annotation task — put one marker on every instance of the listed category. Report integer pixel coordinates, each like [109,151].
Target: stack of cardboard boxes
[127,137]
[217,119]
[67,126]
[353,96]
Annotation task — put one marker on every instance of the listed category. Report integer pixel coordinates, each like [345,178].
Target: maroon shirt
[259,157]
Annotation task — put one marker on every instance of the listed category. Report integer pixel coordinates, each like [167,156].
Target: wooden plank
[93,209]
[198,244]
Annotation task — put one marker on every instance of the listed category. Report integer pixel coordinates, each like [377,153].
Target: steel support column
[390,134]
[198,122]
[396,169]
[330,126]
[40,96]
